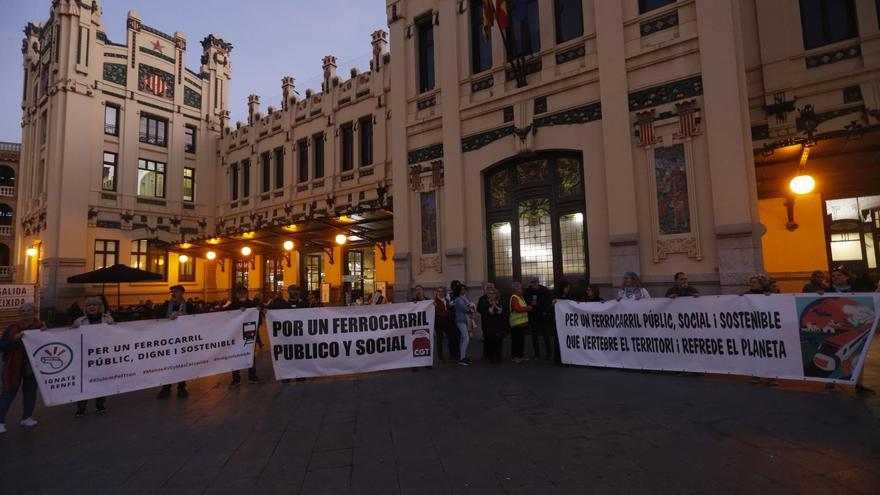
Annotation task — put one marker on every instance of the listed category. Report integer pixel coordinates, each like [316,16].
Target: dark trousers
[492,344]
[179,386]
[517,341]
[536,328]
[252,374]
[99,404]
[29,398]
[446,327]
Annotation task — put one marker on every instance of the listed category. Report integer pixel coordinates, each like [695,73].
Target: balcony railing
[16,147]
[8,191]
[157,140]
[5,230]
[111,129]
[6,273]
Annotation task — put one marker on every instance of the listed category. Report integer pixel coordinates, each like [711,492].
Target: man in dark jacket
[171,309]
[816,284]
[539,298]
[239,303]
[294,300]
[682,288]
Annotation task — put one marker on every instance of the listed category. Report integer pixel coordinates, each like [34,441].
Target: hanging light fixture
[802,183]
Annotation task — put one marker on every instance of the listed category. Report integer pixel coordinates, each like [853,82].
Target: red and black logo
[421,344]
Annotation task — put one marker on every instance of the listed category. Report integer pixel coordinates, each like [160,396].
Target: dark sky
[272,38]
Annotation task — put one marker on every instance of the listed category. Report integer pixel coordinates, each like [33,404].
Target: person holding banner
[94,315]
[443,325]
[539,298]
[681,287]
[462,309]
[171,309]
[294,300]
[17,372]
[519,323]
[631,288]
[240,303]
[816,284]
[494,322]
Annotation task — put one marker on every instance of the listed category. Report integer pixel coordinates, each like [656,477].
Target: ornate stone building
[594,138]
[9,157]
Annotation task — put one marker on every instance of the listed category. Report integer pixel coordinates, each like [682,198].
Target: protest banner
[795,336]
[14,295]
[99,360]
[355,339]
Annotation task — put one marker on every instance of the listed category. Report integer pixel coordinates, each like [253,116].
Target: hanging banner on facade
[355,339]
[14,295]
[100,360]
[795,336]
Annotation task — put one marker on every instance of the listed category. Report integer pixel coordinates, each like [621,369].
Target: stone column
[731,162]
[617,140]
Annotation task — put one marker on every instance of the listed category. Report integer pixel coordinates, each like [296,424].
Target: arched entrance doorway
[535,219]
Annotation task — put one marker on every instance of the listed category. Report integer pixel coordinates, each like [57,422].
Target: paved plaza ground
[487,429]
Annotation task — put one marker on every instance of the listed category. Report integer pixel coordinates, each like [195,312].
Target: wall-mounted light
[246,251]
[340,239]
[183,258]
[211,255]
[288,245]
[802,184]
[31,251]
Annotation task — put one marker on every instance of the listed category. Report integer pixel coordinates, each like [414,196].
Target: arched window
[7,176]
[5,215]
[535,219]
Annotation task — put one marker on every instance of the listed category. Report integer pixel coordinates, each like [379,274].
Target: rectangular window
[153,130]
[106,253]
[365,132]
[302,151]
[502,249]
[318,154]
[347,145]
[569,20]
[425,40]
[189,184]
[189,140]
[481,48]
[108,172]
[524,31]
[649,5]
[266,169]
[313,271]
[279,168]
[41,174]
[241,273]
[151,178]
[234,179]
[246,179]
[149,255]
[44,127]
[571,240]
[111,120]
[827,21]
[186,272]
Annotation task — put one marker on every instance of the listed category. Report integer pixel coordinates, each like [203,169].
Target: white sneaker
[29,422]
[2,428]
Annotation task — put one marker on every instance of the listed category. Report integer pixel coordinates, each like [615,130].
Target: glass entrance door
[853,235]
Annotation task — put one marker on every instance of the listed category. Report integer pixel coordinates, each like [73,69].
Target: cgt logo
[53,358]
[249,332]
[421,344]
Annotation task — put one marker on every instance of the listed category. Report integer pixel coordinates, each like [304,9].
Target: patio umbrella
[116,274]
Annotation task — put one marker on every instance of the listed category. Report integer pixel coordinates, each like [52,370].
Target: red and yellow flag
[488,18]
[501,14]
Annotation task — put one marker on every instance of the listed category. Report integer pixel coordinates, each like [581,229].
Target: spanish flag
[501,14]
[488,18]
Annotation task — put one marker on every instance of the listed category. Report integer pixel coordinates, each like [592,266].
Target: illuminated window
[536,241]
[151,178]
[148,255]
[502,250]
[106,253]
[108,172]
[189,184]
[314,275]
[571,238]
[186,272]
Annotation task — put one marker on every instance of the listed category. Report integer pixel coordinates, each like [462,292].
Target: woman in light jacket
[463,309]
[95,315]
[632,288]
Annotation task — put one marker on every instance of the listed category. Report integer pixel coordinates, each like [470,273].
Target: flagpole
[517,62]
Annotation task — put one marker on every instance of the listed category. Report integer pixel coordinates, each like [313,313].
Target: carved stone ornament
[688,245]
[430,262]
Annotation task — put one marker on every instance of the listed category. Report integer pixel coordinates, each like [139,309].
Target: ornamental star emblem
[157,46]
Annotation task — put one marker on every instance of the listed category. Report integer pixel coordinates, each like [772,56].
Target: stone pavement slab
[486,429]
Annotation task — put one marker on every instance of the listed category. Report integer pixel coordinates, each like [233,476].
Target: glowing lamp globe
[340,239]
[31,251]
[288,245]
[183,258]
[802,184]
[246,251]
[211,255]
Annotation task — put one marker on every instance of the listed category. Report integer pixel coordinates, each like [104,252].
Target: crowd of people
[528,310]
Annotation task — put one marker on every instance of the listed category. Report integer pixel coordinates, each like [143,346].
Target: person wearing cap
[94,315]
[240,302]
[541,300]
[171,309]
[631,288]
[682,288]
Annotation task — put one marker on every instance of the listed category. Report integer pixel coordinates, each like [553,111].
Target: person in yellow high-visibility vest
[519,322]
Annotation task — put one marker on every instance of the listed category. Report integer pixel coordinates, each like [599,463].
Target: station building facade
[605,137]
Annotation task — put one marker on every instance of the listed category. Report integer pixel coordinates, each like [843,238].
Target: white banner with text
[100,360]
[355,339]
[795,336]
